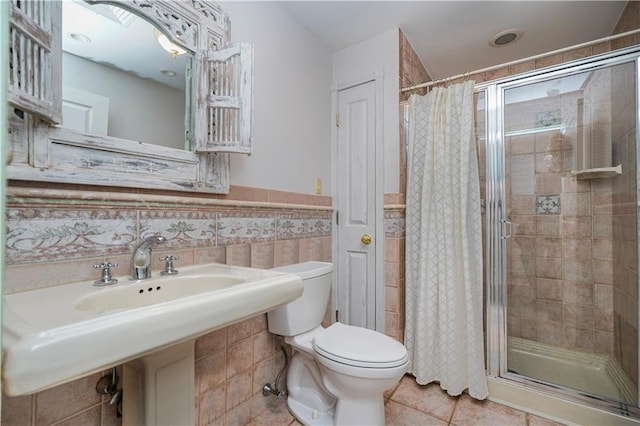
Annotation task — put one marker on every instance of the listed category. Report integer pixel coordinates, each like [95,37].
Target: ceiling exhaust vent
[506,37]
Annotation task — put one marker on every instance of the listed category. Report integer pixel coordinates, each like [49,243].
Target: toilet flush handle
[366,239]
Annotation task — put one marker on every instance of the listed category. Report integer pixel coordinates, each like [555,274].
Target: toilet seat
[359,347]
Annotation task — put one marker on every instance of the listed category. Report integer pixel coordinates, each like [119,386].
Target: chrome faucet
[141,258]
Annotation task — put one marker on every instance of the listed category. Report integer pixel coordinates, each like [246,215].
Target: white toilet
[337,375]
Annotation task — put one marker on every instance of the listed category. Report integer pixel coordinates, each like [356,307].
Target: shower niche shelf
[598,173]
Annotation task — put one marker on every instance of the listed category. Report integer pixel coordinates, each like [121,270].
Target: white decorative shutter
[35,60]
[225,100]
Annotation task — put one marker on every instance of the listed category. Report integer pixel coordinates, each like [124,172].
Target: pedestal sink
[57,334]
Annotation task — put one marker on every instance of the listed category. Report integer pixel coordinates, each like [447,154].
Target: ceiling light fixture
[505,37]
[80,38]
[168,73]
[167,45]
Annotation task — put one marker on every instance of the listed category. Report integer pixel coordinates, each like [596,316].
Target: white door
[84,111]
[356,204]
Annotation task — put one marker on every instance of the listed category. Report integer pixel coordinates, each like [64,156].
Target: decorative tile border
[394,223]
[302,225]
[40,234]
[245,228]
[37,233]
[181,228]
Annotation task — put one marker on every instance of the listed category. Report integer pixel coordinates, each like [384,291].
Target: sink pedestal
[159,389]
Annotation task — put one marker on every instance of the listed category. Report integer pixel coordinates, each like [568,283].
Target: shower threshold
[590,373]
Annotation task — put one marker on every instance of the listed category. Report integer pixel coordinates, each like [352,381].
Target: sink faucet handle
[169,258]
[106,278]
[168,267]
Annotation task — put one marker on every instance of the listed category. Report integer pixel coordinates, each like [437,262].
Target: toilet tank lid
[307,269]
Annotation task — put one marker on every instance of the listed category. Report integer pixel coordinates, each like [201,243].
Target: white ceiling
[452,37]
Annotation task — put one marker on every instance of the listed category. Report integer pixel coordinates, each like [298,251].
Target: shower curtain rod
[517,61]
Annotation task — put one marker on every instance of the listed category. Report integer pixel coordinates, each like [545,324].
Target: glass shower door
[570,207]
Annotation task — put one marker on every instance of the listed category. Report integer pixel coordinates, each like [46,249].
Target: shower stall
[558,158]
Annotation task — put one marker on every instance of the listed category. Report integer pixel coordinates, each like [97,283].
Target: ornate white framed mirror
[217,105]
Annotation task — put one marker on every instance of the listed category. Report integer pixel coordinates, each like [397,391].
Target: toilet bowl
[338,374]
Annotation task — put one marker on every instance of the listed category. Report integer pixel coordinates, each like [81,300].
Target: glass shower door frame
[498,228]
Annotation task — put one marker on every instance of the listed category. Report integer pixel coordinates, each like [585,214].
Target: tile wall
[624,297]
[412,70]
[560,258]
[55,235]
[553,259]
[630,18]
[394,227]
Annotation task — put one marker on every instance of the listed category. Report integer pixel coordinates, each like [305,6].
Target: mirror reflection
[118,80]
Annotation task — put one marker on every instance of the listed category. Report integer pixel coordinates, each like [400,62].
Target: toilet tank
[307,311]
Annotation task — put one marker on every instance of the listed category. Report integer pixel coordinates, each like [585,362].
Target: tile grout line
[455,407]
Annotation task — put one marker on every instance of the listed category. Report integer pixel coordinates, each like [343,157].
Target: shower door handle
[507,230]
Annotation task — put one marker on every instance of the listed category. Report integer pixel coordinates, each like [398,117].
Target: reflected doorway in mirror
[84,111]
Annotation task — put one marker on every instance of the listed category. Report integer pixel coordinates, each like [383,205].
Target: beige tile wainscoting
[55,235]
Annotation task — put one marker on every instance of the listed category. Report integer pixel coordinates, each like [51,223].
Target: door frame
[378,80]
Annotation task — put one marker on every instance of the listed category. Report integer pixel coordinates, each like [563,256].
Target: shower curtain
[443,330]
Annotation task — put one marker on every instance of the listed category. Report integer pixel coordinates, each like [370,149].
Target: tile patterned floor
[413,405]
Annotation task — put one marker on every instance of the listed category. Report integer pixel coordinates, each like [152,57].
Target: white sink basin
[57,334]
[152,291]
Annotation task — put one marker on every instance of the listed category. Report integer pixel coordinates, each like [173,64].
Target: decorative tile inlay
[548,204]
[245,228]
[48,234]
[548,118]
[394,224]
[182,228]
[303,224]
